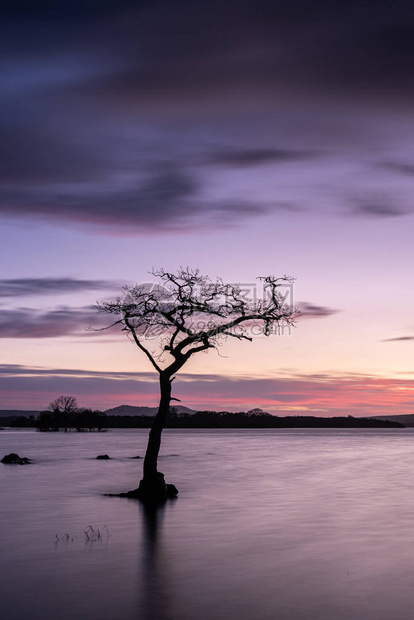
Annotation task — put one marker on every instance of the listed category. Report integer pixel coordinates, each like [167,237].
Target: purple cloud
[167,198]
[378,209]
[258,157]
[88,88]
[64,321]
[22,287]
[401,168]
[312,311]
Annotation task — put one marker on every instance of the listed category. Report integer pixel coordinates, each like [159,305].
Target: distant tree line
[64,415]
[260,419]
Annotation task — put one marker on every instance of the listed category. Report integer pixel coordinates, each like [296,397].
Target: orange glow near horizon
[323,396]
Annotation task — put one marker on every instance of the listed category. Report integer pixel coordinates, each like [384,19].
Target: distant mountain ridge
[150,411]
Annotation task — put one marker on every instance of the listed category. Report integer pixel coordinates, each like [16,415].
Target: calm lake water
[268,525]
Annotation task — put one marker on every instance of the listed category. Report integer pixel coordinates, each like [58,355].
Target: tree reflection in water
[156,599]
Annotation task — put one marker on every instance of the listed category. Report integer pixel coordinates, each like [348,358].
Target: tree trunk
[152,488]
[154,440]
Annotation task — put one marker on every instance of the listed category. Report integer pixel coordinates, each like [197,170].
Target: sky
[245,139]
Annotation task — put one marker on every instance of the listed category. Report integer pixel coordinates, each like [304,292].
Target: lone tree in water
[187,313]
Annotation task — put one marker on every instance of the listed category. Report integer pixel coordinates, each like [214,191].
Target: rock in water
[14,459]
[103,457]
[172,490]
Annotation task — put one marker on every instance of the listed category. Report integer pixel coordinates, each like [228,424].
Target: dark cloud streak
[168,198]
[377,209]
[399,339]
[258,157]
[64,321]
[401,168]
[21,287]
[312,311]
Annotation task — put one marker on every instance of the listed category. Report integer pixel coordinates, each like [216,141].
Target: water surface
[270,524]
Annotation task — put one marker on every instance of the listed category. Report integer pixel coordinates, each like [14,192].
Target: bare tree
[64,406]
[183,314]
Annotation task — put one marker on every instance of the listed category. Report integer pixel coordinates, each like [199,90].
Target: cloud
[195,50]
[64,321]
[378,210]
[295,394]
[35,153]
[155,54]
[312,311]
[399,339]
[166,199]
[22,287]
[68,321]
[159,197]
[406,169]
[88,89]
[19,370]
[257,157]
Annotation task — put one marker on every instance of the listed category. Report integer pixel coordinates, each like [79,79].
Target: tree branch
[140,345]
[189,313]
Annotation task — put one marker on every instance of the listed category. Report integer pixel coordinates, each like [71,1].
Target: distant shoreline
[201,419]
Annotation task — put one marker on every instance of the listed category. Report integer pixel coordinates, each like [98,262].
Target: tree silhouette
[187,313]
[63,408]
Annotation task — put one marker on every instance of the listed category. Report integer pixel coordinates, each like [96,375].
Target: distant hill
[149,411]
[406,419]
[7,413]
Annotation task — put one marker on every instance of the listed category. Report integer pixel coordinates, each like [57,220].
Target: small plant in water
[91,535]
[64,538]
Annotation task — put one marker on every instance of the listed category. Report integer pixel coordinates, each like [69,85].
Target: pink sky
[257,146]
